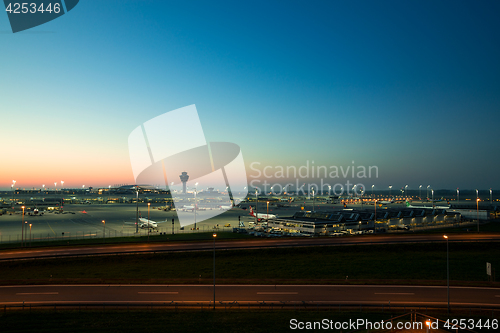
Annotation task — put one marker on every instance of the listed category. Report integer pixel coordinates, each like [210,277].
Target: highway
[13,254]
[367,295]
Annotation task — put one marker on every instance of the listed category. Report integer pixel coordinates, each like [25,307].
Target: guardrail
[415,311]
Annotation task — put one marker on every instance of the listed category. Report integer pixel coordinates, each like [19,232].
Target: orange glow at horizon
[74,172]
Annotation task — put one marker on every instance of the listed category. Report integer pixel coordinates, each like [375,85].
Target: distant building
[350,221]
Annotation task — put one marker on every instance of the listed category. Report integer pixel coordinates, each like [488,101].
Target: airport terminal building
[352,221]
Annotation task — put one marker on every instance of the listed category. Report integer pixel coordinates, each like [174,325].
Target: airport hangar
[351,221]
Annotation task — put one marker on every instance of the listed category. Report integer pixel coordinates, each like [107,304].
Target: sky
[410,87]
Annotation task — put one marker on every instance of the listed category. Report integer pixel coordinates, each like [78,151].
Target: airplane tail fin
[251,211]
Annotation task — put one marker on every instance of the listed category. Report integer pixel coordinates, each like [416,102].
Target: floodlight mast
[137,209]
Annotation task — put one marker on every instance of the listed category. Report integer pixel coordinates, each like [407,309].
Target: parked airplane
[186,208]
[225,207]
[408,205]
[262,216]
[145,223]
[385,202]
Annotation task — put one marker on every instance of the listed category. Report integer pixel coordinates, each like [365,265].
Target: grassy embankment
[398,263]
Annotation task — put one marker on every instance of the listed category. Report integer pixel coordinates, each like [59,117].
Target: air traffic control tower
[184,178]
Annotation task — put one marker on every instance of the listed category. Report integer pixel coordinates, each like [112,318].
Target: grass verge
[395,263]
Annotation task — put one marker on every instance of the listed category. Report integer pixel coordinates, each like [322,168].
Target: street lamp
[267,215]
[256,205]
[372,189]
[149,204]
[427,193]
[62,199]
[137,210]
[458,195]
[43,188]
[195,203]
[477,213]
[214,236]
[30,234]
[390,187]
[313,199]
[55,188]
[447,272]
[22,228]
[104,234]
[406,193]
[432,198]
[491,196]
[12,187]
[420,192]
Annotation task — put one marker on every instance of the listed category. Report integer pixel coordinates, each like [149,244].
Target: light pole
[104,231]
[420,192]
[447,272]
[30,234]
[427,193]
[256,205]
[214,236]
[55,188]
[137,209]
[375,218]
[477,213]
[13,185]
[491,196]
[313,199]
[12,190]
[390,187]
[43,188]
[477,207]
[372,190]
[267,215]
[62,199]
[22,228]
[196,203]
[432,198]
[149,204]
[458,195]
[406,193]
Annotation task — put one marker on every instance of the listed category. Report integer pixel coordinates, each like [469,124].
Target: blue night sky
[412,87]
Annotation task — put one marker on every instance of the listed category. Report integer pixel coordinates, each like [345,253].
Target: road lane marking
[394,293]
[54,293]
[158,292]
[277,293]
[51,228]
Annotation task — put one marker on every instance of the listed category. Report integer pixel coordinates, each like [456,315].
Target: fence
[98,234]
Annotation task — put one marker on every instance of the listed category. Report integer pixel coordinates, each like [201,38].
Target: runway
[366,295]
[12,254]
